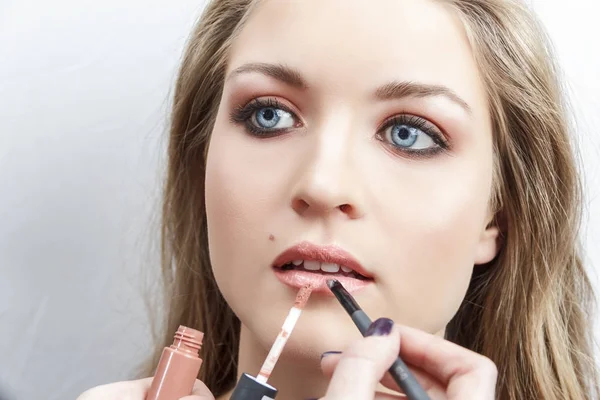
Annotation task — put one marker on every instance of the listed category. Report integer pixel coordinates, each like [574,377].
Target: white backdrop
[84,91]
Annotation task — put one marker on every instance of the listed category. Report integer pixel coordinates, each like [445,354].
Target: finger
[330,361]
[199,392]
[434,389]
[364,363]
[446,361]
[388,396]
[382,396]
[127,389]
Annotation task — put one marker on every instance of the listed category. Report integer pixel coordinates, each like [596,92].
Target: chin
[317,333]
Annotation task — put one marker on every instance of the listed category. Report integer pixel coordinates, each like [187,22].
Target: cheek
[239,195]
[246,219]
[236,208]
[227,207]
[432,220]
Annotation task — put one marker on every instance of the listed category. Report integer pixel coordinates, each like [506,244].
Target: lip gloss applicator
[257,388]
[399,371]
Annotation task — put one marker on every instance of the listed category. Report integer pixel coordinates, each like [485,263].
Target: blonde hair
[529,310]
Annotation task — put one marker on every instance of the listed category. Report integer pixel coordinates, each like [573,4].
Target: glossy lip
[318,280]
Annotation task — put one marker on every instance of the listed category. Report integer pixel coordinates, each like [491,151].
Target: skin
[419,225]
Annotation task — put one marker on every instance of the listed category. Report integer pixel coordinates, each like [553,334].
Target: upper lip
[329,254]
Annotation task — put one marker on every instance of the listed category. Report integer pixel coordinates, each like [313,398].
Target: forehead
[359,44]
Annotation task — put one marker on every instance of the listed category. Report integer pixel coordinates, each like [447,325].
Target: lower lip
[318,282]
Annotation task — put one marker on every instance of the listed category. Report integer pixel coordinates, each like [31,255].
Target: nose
[329,183]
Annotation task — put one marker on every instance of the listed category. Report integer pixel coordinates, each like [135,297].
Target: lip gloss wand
[257,388]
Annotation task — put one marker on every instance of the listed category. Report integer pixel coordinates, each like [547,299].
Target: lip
[318,281]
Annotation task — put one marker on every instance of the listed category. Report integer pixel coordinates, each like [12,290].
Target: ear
[490,241]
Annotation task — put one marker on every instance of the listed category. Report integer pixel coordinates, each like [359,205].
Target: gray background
[84,95]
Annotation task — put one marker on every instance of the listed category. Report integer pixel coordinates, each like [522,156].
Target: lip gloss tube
[178,366]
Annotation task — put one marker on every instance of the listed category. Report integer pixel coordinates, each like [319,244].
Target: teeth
[330,267]
[312,265]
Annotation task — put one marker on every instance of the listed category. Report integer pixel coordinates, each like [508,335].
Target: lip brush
[399,371]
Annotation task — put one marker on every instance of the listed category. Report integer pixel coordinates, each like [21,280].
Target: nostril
[303,205]
[345,208]
[300,205]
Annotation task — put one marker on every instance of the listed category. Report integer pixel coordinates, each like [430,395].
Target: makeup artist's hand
[137,390]
[445,370]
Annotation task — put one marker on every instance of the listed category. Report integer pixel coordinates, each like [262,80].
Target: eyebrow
[401,89]
[389,91]
[280,72]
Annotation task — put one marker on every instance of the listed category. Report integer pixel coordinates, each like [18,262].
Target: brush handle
[402,376]
[362,321]
[399,371]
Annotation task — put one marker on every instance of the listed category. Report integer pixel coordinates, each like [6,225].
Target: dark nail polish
[329,353]
[381,327]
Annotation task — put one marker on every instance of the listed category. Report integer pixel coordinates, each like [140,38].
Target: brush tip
[302,297]
[332,283]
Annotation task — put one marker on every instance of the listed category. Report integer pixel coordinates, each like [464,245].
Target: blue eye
[265,117]
[404,136]
[407,136]
[272,118]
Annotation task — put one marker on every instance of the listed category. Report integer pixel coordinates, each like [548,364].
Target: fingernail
[381,327]
[329,353]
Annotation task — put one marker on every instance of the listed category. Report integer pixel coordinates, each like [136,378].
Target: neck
[294,377]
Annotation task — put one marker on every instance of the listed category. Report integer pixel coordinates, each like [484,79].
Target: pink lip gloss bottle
[178,366]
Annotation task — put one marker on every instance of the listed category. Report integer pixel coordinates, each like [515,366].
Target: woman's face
[362,133]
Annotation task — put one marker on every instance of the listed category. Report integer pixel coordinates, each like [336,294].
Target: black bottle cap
[248,388]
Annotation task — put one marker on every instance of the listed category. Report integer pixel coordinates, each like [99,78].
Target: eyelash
[243,114]
[423,125]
